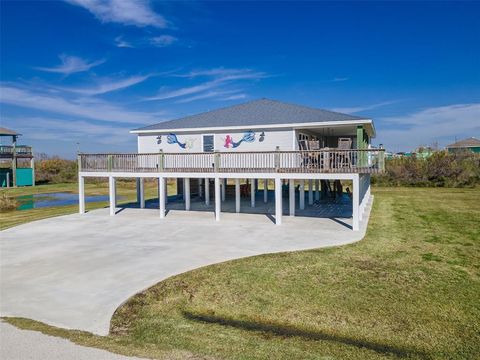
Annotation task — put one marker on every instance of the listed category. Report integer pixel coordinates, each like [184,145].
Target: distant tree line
[441,169]
[54,170]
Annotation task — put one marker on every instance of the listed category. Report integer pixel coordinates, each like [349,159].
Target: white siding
[282,138]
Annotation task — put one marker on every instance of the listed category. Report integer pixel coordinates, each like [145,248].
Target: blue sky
[88,71]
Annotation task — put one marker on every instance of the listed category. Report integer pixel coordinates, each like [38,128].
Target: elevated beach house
[299,150]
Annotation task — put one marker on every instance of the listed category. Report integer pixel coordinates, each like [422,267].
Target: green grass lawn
[409,289]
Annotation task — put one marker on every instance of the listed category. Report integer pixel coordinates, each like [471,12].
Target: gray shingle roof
[470,142]
[257,112]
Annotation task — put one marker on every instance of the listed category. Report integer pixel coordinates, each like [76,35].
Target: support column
[355,203]
[183,187]
[317,190]
[224,187]
[166,190]
[291,196]
[302,195]
[252,193]
[32,166]
[310,192]
[237,195]
[81,194]
[140,193]
[278,201]
[265,190]
[112,193]
[218,203]
[186,193]
[162,197]
[207,191]
[200,187]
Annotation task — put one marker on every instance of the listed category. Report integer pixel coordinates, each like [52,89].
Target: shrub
[55,170]
[7,203]
[442,169]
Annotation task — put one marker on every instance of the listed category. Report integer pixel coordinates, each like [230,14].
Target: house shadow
[333,209]
[286,330]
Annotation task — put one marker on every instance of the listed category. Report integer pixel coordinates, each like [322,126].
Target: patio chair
[313,154]
[344,157]
[303,146]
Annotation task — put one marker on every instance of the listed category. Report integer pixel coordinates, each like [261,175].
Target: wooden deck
[318,161]
[19,151]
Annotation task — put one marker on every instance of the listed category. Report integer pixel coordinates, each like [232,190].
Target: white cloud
[207,95]
[121,43]
[71,64]
[106,85]
[338,79]
[163,40]
[41,128]
[225,74]
[220,77]
[356,109]
[127,12]
[235,97]
[184,91]
[425,127]
[84,108]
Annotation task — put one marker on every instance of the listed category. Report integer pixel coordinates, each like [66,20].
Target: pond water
[35,201]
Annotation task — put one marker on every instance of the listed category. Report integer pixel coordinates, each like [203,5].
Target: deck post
[166,190]
[302,195]
[32,166]
[265,190]
[162,196]
[291,196]
[310,192]
[112,194]
[186,193]
[237,195]
[218,203]
[207,191]
[200,187]
[252,193]
[278,201]
[140,193]
[81,194]
[224,185]
[355,203]
[317,190]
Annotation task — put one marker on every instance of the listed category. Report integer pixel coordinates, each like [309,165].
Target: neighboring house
[471,144]
[262,139]
[16,161]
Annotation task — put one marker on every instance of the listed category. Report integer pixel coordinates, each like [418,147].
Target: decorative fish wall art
[248,136]
[172,139]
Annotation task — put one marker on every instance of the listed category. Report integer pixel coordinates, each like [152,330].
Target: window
[208,143]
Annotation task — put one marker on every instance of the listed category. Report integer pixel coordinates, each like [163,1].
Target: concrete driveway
[74,271]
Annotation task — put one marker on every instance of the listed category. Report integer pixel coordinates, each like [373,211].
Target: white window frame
[203,149]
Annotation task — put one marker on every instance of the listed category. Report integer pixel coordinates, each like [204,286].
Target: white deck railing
[317,161]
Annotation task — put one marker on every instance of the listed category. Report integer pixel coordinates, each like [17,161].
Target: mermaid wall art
[173,139]
[248,137]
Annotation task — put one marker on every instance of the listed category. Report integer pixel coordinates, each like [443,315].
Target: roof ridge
[246,113]
[201,113]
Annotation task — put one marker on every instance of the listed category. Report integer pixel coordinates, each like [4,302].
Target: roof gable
[469,142]
[257,112]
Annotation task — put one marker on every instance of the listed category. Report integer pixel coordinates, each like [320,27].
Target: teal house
[471,144]
[16,161]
